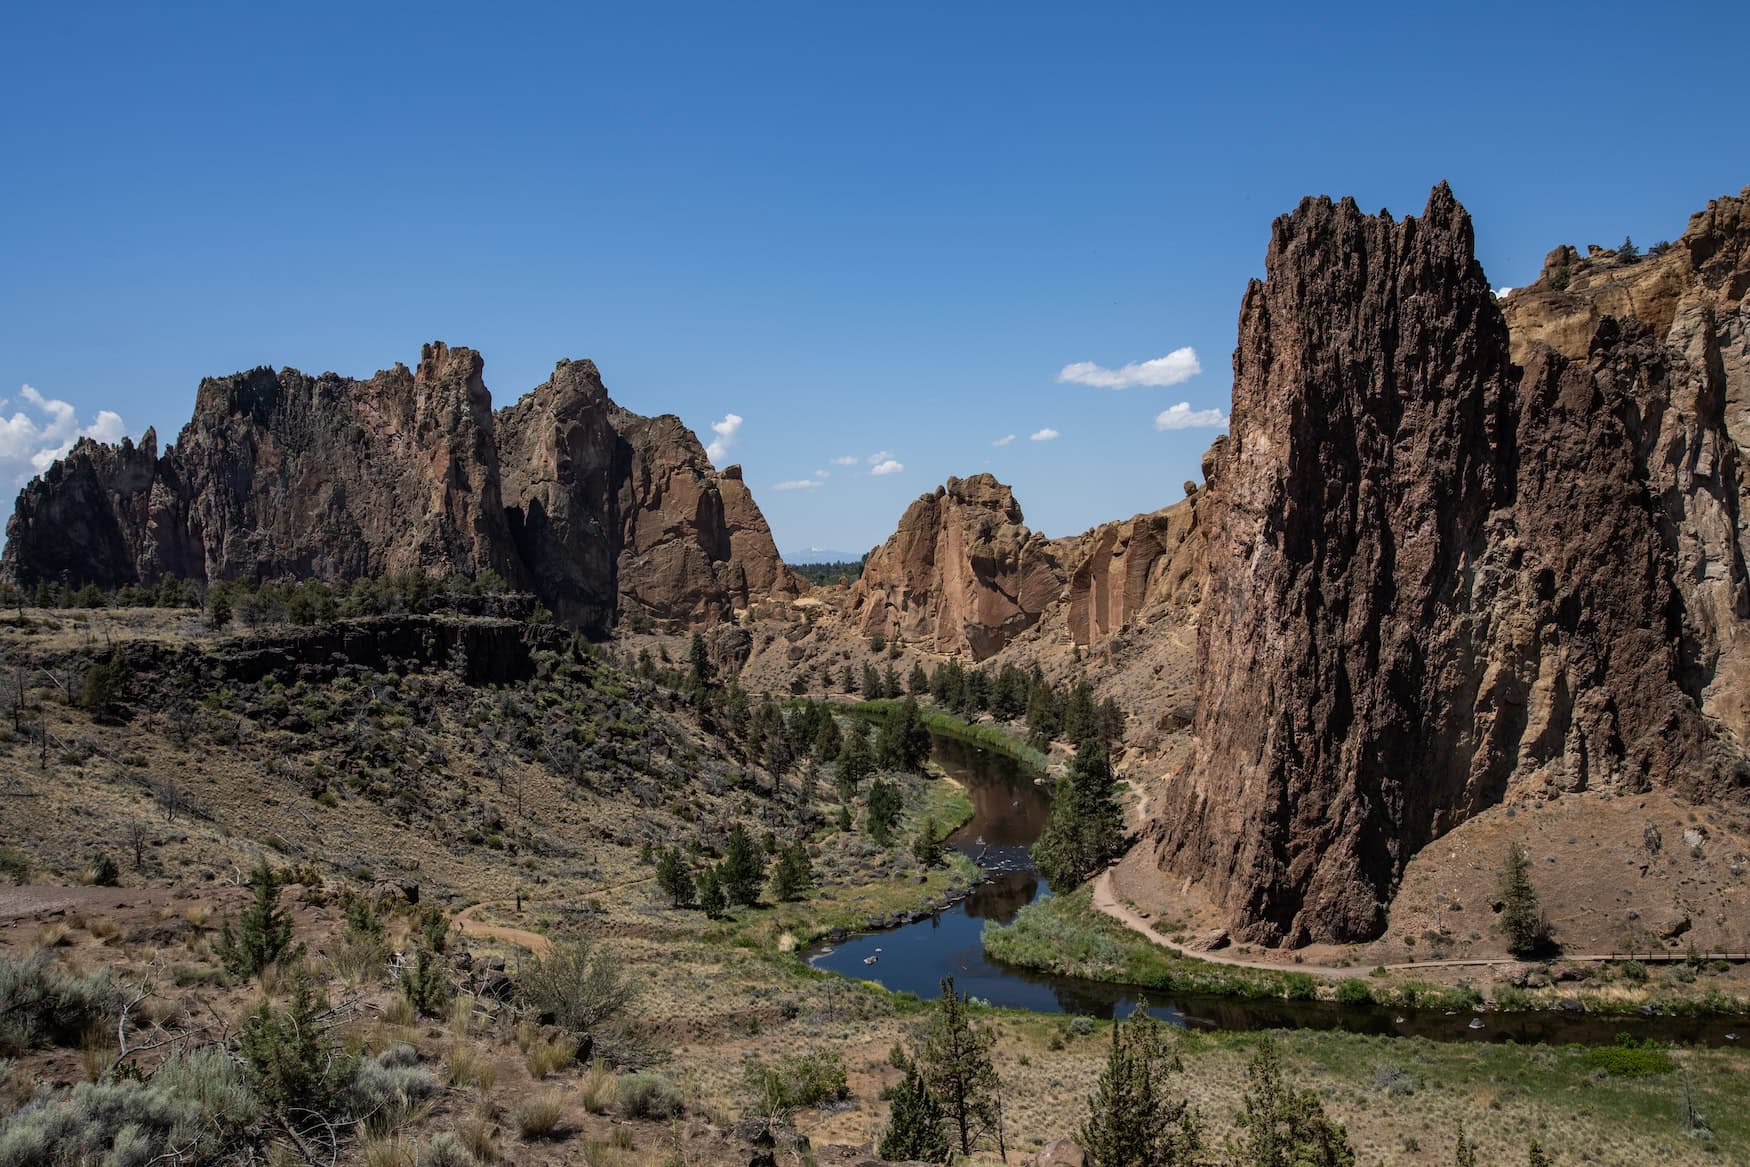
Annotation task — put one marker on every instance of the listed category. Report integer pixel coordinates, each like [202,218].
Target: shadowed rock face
[281,475]
[1431,577]
[962,574]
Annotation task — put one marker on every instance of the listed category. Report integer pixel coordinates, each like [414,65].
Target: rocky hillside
[279,475]
[1436,579]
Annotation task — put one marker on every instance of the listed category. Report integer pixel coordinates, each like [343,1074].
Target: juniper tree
[743,870]
[1134,1120]
[1521,921]
[711,898]
[793,875]
[1284,1127]
[954,1059]
[1086,825]
[827,739]
[883,813]
[918,683]
[674,877]
[264,932]
[914,1125]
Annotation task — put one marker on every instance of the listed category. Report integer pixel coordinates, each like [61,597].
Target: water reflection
[1009,810]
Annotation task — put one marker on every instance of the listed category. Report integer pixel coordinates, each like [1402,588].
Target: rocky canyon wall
[1432,574]
[279,475]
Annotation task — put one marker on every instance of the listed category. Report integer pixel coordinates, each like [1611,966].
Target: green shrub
[585,991]
[425,984]
[648,1096]
[42,1003]
[804,1080]
[1629,1059]
[196,1103]
[1353,991]
[289,1060]
[264,932]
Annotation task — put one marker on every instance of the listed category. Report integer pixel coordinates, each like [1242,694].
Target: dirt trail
[469,922]
[1106,900]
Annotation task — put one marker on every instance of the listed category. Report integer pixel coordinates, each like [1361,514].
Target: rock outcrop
[601,512]
[962,574]
[1120,573]
[1433,577]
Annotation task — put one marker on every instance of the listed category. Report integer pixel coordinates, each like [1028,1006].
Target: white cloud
[888,466]
[1183,417]
[1501,293]
[1177,366]
[29,445]
[727,431]
[847,460]
[1045,435]
[797,484]
[1004,440]
[879,456]
[823,473]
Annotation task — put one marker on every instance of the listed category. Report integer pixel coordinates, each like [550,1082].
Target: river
[1009,810]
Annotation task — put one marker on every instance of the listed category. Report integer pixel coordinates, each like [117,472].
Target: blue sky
[861,229]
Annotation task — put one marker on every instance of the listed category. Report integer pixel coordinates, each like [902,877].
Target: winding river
[1009,810]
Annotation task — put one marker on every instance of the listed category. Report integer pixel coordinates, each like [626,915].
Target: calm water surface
[1009,810]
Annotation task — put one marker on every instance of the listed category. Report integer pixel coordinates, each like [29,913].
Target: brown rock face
[1121,572]
[962,574]
[1431,577]
[282,476]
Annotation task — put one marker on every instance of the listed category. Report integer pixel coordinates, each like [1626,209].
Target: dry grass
[538,1116]
[550,1055]
[597,1091]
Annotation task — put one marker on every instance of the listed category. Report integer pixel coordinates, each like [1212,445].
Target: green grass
[1066,935]
[983,735]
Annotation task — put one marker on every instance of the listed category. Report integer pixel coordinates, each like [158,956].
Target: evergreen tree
[794,874]
[925,847]
[1081,716]
[1042,712]
[1284,1127]
[1628,252]
[1133,1119]
[711,897]
[849,681]
[828,741]
[1521,921]
[872,690]
[918,683]
[845,820]
[264,931]
[743,869]
[286,1059]
[1086,825]
[914,1126]
[1008,699]
[954,1059]
[903,742]
[890,682]
[674,877]
[854,760]
[700,660]
[424,984]
[1466,1153]
[883,813]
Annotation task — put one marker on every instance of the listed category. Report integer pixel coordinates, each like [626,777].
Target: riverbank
[984,735]
[1069,936]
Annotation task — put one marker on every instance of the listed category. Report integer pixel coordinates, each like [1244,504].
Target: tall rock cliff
[282,476]
[962,574]
[1432,576]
